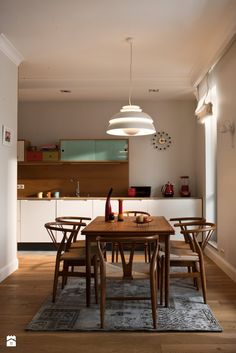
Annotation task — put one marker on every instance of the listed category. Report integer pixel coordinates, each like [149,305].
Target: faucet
[77,190]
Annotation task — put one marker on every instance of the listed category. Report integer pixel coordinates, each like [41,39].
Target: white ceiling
[80,46]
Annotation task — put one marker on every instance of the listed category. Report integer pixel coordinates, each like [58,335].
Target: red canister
[132,192]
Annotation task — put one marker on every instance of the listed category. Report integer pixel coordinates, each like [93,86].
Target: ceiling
[80,46]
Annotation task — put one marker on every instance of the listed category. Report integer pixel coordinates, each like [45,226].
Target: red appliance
[167,190]
[131,192]
[184,186]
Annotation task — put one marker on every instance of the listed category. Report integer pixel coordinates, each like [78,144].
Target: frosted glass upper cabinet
[94,150]
[77,150]
[111,150]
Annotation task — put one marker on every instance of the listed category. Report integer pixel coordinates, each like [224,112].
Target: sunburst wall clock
[161,141]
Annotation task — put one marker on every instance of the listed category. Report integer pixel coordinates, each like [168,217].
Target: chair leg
[145,252]
[95,271]
[153,289]
[65,274]
[112,252]
[203,280]
[196,279]
[102,297]
[149,251]
[161,278]
[55,281]
[117,252]
[104,251]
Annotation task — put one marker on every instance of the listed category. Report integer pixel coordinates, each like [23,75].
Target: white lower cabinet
[18,234]
[34,214]
[99,207]
[171,208]
[83,208]
[76,208]
[128,205]
[135,205]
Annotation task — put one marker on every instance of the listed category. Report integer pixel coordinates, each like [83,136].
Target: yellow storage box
[50,155]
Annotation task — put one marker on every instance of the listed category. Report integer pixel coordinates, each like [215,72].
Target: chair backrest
[75,222]
[69,231]
[69,219]
[131,242]
[187,219]
[183,222]
[135,213]
[205,230]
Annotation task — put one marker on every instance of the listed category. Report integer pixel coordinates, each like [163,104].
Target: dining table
[158,225]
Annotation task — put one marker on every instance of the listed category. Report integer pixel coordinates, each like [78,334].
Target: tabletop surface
[158,225]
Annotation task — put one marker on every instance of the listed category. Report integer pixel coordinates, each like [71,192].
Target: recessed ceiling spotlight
[153,90]
[65,91]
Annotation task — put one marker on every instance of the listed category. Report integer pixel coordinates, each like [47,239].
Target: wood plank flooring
[23,292]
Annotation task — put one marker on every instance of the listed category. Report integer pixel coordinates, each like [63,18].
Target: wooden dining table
[129,227]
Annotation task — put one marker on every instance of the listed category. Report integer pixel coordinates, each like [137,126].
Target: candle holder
[120,217]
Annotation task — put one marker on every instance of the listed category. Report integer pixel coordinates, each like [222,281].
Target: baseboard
[221,263]
[8,269]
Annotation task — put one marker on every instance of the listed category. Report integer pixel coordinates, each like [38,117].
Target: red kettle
[167,190]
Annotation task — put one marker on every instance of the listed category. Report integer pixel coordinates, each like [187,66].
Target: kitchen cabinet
[94,150]
[22,146]
[173,208]
[111,150]
[99,207]
[135,205]
[97,164]
[18,233]
[34,214]
[179,207]
[77,150]
[78,208]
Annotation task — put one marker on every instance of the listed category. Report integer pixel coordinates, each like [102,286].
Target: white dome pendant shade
[131,121]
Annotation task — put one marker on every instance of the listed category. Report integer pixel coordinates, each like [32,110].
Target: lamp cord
[130,68]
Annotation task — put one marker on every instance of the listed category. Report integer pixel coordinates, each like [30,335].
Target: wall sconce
[228,126]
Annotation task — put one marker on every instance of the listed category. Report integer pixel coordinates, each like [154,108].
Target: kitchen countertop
[72,198]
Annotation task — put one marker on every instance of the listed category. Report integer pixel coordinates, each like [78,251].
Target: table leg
[88,272]
[167,269]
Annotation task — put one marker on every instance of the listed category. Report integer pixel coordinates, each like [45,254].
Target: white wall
[47,122]
[8,167]
[223,79]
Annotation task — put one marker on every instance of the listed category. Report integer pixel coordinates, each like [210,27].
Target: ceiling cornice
[10,51]
[163,80]
[225,45]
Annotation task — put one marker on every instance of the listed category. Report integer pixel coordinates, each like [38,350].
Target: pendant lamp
[131,120]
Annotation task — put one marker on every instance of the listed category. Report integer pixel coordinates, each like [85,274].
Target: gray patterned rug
[186,312]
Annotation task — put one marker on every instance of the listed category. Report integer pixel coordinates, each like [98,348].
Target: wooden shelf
[67,162]
[97,164]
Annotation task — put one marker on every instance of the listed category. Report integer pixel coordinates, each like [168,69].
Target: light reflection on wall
[210,161]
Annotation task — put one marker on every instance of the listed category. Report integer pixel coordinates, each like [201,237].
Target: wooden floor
[23,292]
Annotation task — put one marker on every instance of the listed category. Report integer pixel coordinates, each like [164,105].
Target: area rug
[187,312]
